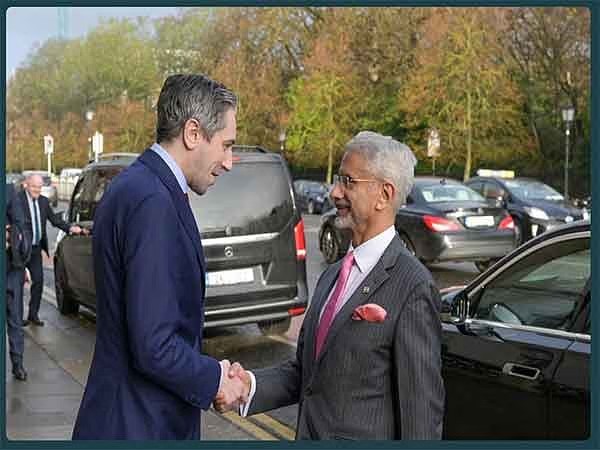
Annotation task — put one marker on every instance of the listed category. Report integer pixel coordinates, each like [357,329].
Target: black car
[516,344]
[312,196]
[252,235]
[534,206]
[443,220]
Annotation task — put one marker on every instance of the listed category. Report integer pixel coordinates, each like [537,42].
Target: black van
[252,235]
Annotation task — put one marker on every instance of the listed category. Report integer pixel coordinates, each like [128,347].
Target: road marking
[249,427]
[281,429]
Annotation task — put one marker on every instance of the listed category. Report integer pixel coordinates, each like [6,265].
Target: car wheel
[330,246]
[407,244]
[279,326]
[482,266]
[65,302]
[310,208]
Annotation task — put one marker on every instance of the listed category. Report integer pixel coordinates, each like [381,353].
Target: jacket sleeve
[55,219]
[279,386]
[152,311]
[417,351]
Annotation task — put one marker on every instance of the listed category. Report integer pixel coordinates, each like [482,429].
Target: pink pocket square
[371,312]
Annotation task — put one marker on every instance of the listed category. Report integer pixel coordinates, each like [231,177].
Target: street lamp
[89,116]
[568,115]
[282,137]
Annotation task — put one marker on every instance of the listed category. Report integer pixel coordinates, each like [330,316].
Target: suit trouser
[37,281]
[14,314]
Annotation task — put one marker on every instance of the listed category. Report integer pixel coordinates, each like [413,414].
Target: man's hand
[235,388]
[76,229]
[27,276]
[7,233]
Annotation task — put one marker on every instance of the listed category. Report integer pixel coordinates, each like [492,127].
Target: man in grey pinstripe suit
[375,378]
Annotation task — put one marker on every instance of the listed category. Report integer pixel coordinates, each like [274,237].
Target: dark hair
[185,97]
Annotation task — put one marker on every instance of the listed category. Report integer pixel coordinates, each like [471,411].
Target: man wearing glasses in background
[368,362]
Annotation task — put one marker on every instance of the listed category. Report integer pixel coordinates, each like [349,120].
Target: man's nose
[336,192]
[228,161]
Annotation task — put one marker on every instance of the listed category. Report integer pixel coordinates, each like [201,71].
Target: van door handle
[517,370]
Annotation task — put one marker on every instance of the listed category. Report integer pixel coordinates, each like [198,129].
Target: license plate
[234,276]
[479,221]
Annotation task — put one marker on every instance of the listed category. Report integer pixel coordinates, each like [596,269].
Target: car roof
[435,180]
[503,180]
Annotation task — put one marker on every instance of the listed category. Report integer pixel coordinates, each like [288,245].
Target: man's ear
[387,194]
[192,134]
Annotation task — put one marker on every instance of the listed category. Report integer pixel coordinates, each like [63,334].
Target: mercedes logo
[229,251]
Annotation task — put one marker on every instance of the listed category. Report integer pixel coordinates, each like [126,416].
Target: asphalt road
[63,349]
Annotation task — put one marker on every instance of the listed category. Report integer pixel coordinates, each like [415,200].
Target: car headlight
[585,213]
[536,213]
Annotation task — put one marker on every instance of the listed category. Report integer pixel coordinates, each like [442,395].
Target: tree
[463,88]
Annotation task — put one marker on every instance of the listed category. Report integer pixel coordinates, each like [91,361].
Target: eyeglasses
[346,180]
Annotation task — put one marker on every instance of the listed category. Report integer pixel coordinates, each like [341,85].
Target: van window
[253,198]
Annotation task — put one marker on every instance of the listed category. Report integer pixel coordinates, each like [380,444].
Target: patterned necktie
[329,312]
[36,220]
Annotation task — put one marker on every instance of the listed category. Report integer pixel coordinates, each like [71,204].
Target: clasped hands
[235,387]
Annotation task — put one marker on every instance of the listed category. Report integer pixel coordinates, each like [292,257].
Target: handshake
[235,387]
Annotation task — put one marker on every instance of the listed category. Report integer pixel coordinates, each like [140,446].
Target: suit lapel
[160,168]
[378,275]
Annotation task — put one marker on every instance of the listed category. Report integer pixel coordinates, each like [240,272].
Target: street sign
[97,144]
[48,145]
[433,144]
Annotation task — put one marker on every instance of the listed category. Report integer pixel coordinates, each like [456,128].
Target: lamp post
[282,137]
[568,115]
[89,116]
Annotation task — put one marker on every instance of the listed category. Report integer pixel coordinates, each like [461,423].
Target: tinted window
[449,193]
[532,190]
[251,198]
[89,191]
[492,190]
[543,289]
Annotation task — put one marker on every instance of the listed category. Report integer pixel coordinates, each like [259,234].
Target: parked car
[516,343]
[252,235]
[312,196]
[48,188]
[443,220]
[15,179]
[534,206]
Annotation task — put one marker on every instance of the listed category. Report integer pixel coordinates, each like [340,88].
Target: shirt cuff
[222,375]
[244,407]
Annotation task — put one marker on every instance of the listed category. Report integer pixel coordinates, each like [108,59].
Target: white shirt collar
[169,161]
[369,252]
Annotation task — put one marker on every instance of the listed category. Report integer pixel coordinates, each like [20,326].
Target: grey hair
[185,97]
[387,159]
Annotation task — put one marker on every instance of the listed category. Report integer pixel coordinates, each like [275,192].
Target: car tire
[65,302]
[482,266]
[310,209]
[330,246]
[408,244]
[279,326]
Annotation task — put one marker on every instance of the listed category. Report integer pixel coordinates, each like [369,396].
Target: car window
[543,289]
[449,193]
[532,190]
[253,198]
[89,191]
[493,190]
[477,186]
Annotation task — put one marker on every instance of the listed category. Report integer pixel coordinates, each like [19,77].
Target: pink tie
[329,313]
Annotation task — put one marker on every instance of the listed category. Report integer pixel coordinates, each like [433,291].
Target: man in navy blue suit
[149,378]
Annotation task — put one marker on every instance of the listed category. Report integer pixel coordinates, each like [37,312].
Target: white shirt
[366,255]
[36,239]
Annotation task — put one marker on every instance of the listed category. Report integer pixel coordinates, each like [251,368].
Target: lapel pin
[366,290]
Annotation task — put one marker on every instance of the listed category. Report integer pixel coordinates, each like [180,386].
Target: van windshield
[253,198]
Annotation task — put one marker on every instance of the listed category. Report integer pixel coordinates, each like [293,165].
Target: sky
[28,27]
